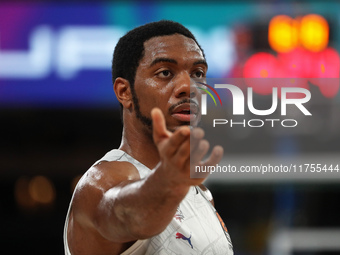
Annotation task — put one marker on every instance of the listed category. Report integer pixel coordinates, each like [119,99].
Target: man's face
[165,79]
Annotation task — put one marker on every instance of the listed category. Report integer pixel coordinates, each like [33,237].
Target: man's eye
[198,74]
[165,73]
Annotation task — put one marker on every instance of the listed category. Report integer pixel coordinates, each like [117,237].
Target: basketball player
[140,199]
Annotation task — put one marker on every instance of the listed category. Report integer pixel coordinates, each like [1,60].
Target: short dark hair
[130,48]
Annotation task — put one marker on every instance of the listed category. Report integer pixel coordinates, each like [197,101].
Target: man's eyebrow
[201,62]
[158,60]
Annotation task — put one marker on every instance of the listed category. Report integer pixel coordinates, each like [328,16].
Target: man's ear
[122,90]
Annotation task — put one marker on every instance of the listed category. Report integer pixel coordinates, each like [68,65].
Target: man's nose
[185,86]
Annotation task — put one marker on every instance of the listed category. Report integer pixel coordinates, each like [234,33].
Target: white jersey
[196,228]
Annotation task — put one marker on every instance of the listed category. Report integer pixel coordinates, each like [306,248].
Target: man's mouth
[185,112]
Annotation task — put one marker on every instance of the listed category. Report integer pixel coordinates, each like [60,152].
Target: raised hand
[181,150]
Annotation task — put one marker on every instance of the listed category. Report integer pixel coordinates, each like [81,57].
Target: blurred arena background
[59,115]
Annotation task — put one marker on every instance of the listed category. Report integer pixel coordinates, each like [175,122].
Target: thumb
[158,126]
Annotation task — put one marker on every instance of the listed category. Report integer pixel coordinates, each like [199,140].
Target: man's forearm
[141,209]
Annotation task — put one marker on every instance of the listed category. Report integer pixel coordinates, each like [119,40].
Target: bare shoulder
[106,174]
[207,193]
[83,235]
[96,181]
[112,173]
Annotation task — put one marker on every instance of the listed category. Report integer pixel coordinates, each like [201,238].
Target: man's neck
[140,146]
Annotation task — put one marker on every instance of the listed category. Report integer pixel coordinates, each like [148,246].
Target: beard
[146,121]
